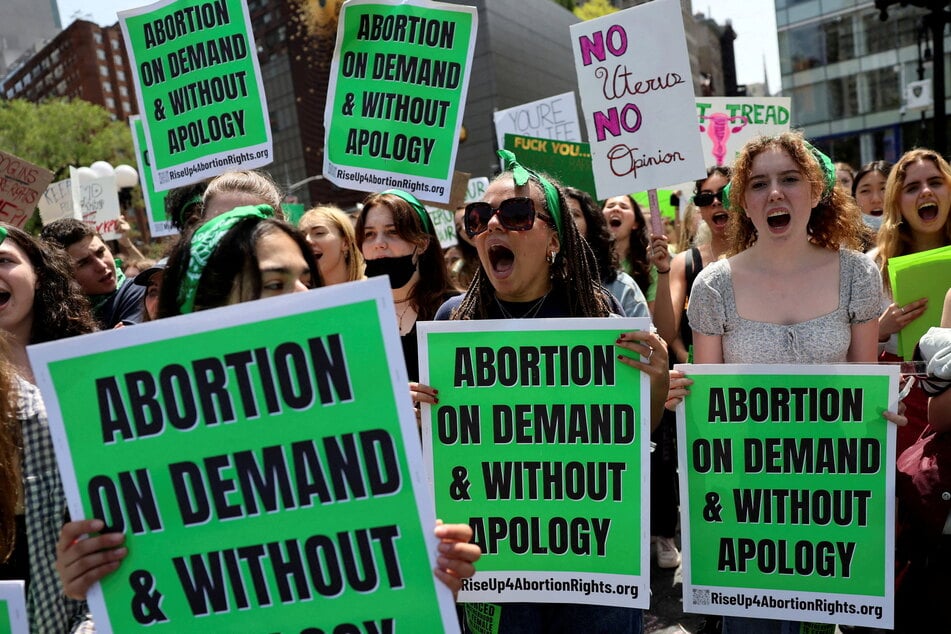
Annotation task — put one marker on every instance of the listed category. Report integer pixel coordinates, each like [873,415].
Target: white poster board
[97,199]
[727,123]
[637,96]
[550,118]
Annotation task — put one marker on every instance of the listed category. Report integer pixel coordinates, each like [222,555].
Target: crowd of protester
[782,224]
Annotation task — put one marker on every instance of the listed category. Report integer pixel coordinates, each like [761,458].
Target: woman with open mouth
[535,264]
[330,235]
[627,224]
[39,302]
[916,218]
[792,233]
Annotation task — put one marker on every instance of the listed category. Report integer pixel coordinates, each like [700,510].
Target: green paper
[663,201]
[489,467]
[787,486]
[566,161]
[300,445]
[159,222]
[293,212]
[912,277]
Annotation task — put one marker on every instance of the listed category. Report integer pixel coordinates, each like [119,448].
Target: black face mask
[400,269]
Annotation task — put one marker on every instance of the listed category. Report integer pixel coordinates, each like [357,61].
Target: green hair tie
[417,207]
[521,173]
[3,234]
[204,242]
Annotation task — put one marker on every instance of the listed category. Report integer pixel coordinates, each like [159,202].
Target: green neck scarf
[520,174]
[98,301]
[204,242]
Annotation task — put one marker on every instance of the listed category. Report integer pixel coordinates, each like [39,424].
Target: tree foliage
[58,133]
[568,4]
[594,9]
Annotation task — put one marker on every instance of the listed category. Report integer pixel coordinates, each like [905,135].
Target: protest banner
[664,202]
[21,185]
[444,224]
[13,608]
[263,462]
[569,162]
[476,189]
[727,123]
[56,202]
[639,106]
[542,448]
[398,84]
[293,212]
[159,223]
[917,275]
[551,118]
[97,200]
[787,488]
[198,84]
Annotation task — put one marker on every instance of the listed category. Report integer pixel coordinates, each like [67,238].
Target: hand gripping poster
[263,463]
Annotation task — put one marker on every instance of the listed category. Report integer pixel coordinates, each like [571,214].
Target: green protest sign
[198,83]
[924,274]
[293,212]
[663,199]
[263,463]
[159,223]
[13,608]
[540,442]
[398,85]
[567,161]
[787,492]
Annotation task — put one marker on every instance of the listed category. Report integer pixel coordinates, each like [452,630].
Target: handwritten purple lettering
[623,160]
[615,43]
[613,120]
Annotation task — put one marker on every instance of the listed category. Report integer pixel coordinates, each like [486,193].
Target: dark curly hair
[65,232]
[836,222]
[233,259]
[434,284]
[597,235]
[573,270]
[182,198]
[9,451]
[60,309]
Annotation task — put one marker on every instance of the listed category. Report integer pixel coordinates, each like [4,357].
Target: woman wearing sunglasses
[536,264]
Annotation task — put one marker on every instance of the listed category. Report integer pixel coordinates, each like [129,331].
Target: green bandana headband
[3,234]
[417,207]
[521,173]
[825,164]
[204,242]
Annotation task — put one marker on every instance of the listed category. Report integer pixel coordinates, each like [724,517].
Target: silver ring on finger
[650,355]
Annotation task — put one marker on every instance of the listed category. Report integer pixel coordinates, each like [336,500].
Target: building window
[810,103]
[103,71]
[123,92]
[110,103]
[839,41]
[800,49]
[107,86]
[120,75]
[125,106]
[117,60]
[884,90]
[101,54]
[97,37]
[843,97]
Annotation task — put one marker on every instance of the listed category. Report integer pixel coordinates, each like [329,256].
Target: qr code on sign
[701,597]
[163,177]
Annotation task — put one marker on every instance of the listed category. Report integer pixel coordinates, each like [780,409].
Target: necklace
[399,321]
[530,312]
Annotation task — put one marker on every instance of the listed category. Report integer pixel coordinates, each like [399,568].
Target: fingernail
[436,401]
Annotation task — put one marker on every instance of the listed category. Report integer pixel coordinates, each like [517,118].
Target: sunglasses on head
[705,199]
[515,214]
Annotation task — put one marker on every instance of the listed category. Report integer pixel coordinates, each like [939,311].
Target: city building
[25,24]
[84,61]
[847,71]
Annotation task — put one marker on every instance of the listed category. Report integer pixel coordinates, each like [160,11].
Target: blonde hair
[251,182]
[894,236]
[336,217]
[688,231]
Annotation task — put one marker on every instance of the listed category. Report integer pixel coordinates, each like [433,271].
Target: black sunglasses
[515,214]
[705,199]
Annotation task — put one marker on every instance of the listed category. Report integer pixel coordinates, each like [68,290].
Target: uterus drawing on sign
[719,126]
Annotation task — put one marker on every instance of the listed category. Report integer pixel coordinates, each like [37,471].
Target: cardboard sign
[787,488]
[159,223]
[569,162]
[552,118]
[476,189]
[21,185]
[13,608]
[727,123]
[97,199]
[540,442]
[637,96]
[198,83]
[444,223]
[263,462]
[398,85]
[57,202]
